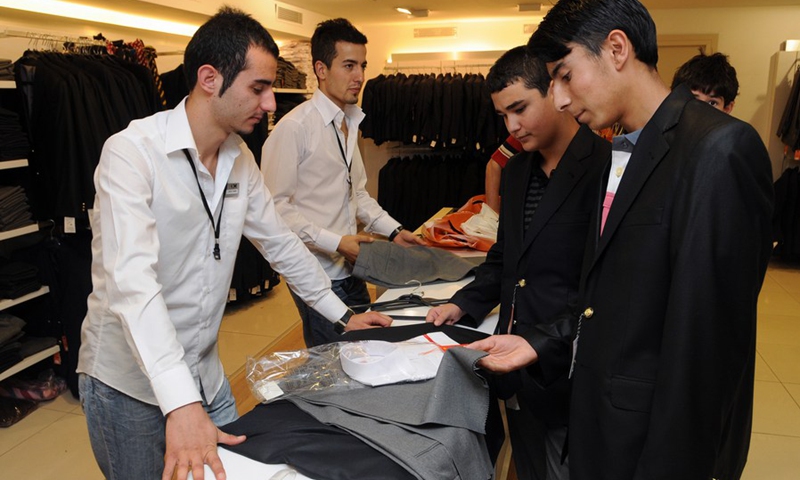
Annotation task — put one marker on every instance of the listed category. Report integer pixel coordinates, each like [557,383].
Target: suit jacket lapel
[514,207]
[650,149]
[568,173]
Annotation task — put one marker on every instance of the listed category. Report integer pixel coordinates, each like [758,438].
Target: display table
[238,467]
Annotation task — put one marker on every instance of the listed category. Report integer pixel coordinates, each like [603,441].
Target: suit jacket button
[588,313]
[521,283]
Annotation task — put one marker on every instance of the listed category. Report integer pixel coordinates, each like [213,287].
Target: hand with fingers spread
[192,443]
[506,353]
[447,314]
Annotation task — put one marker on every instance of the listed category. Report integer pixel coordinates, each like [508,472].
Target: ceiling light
[421,12]
[529,7]
[100,15]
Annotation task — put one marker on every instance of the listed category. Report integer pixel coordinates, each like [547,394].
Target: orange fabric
[447,231]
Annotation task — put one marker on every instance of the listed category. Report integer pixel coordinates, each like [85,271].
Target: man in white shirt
[315,173]
[175,193]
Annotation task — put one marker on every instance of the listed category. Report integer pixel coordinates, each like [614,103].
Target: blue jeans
[128,436]
[318,330]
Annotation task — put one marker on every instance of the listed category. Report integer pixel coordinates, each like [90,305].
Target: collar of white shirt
[328,110]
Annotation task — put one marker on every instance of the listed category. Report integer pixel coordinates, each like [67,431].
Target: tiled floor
[52,442]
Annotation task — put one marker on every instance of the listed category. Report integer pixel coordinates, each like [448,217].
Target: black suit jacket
[548,257]
[663,381]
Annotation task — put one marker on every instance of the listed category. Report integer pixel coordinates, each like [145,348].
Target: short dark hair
[588,23]
[223,42]
[518,64]
[710,74]
[327,33]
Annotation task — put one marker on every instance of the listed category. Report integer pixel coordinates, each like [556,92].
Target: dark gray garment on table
[433,428]
[391,265]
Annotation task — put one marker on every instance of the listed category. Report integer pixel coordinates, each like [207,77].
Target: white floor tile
[783,360]
[29,426]
[775,412]
[773,457]
[61,451]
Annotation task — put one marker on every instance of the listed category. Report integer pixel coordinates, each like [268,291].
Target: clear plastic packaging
[313,369]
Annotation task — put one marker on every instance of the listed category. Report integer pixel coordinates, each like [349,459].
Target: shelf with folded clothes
[16,163]
[10,302]
[18,232]
[29,361]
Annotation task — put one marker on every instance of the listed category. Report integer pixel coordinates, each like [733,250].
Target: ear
[728,108]
[321,70]
[208,78]
[619,47]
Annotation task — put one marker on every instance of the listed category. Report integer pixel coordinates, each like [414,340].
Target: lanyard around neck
[344,157]
[214,226]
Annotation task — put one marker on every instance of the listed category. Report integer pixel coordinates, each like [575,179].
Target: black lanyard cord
[214,226]
[344,157]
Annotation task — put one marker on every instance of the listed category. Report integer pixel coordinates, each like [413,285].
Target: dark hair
[710,74]
[323,41]
[223,42]
[588,23]
[518,64]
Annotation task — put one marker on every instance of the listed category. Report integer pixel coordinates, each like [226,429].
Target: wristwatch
[395,233]
[340,324]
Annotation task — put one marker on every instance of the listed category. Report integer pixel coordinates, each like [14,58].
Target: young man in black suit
[662,355]
[534,268]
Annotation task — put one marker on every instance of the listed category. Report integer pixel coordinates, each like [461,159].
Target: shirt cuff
[175,388]
[385,226]
[330,306]
[328,241]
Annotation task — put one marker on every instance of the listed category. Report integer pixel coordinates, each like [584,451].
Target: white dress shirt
[159,294]
[307,175]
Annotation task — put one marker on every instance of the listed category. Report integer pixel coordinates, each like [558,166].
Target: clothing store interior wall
[751,36]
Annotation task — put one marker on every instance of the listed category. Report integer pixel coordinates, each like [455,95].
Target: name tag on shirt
[232,190]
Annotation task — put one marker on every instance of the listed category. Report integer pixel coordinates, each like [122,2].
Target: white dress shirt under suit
[159,293]
[308,178]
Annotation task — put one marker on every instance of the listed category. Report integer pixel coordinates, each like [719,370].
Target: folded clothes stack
[14,209]
[13,141]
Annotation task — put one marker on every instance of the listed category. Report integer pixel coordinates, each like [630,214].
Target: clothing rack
[442,67]
[52,39]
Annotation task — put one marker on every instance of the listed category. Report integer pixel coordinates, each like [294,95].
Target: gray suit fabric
[434,428]
[391,265]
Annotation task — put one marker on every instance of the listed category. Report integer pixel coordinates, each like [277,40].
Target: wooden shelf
[28,361]
[18,232]
[8,84]
[10,302]
[8,164]
[293,90]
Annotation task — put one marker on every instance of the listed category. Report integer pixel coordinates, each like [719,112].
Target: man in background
[662,354]
[711,79]
[533,269]
[313,168]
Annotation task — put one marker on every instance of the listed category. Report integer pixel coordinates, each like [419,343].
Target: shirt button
[588,313]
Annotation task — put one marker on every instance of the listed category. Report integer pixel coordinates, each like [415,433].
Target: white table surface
[239,467]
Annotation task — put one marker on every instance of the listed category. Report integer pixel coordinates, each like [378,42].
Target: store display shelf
[8,164]
[18,232]
[10,302]
[8,84]
[292,90]
[28,361]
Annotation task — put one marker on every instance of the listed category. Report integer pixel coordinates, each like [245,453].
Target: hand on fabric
[192,443]
[447,314]
[368,320]
[350,245]
[506,353]
[407,239]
